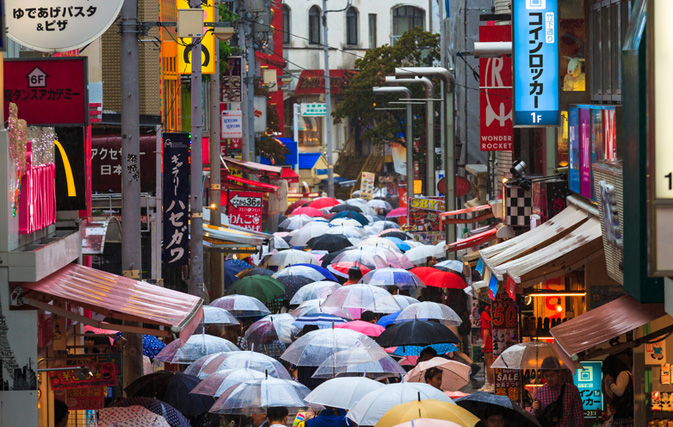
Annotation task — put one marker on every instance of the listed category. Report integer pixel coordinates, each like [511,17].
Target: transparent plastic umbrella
[346,222]
[300,270]
[528,355]
[289,257]
[315,290]
[375,240]
[279,243]
[379,204]
[244,359]
[197,346]
[314,306]
[255,396]
[342,392]
[452,265]
[357,355]
[321,320]
[241,305]
[384,277]
[217,316]
[317,346]
[419,255]
[218,382]
[294,222]
[358,298]
[382,368]
[363,256]
[301,236]
[271,334]
[385,225]
[348,231]
[427,310]
[405,301]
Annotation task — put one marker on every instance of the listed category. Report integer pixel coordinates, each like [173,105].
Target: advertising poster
[508,383]
[609,134]
[244,209]
[505,331]
[367,185]
[70,169]
[588,381]
[655,353]
[176,198]
[573,150]
[78,399]
[584,116]
[230,80]
[101,375]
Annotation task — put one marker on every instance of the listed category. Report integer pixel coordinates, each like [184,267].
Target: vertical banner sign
[588,382]
[230,80]
[573,150]
[585,151]
[244,209]
[367,185]
[207,42]
[536,63]
[505,332]
[176,198]
[495,93]
[70,170]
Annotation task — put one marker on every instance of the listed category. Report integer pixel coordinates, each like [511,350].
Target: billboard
[207,42]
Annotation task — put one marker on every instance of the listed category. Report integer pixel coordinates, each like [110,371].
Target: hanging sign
[176,198]
[231,126]
[100,375]
[536,63]
[313,110]
[588,381]
[244,209]
[230,80]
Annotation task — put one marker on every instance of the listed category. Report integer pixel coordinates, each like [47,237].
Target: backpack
[552,413]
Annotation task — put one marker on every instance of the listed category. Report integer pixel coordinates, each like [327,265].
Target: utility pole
[130,117]
[328,102]
[245,141]
[250,83]
[196,170]
[216,284]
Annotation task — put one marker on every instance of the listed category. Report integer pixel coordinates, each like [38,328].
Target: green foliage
[268,146]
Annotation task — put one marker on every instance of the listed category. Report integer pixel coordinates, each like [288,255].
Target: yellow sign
[429,204]
[207,43]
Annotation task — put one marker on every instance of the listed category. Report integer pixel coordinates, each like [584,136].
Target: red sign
[48,91]
[495,93]
[80,399]
[103,375]
[312,82]
[106,163]
[244,209]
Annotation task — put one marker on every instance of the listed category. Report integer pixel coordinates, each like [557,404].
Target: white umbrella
[375,240]
[419,255]
[279,243]
[428,310]
[302,235]
[362,256]
[455,375]
[342,392]
[379,204]
[241,305]
[294,222]
[316,290]
[349,231]
[316,346]
[289,257]
[453,265]
[256,396]
[405,301]
[300,270]
[217,383]
[357,362]
[385,277]
[379,226]
[217,316]
[372,406]
[212,363]
[359,298]
[313,306]
[349,222]
[197,346]
[392,257]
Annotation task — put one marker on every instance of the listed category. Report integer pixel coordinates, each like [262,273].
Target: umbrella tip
[419,396]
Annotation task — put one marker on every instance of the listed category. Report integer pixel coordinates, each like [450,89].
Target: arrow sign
[250,202]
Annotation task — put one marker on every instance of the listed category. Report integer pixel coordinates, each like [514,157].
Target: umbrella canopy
[446,279]
[349,222]
[308,211]
[455,375]
[321,320]
[395,233]
[427,310]
[415,350]
[385,277]
[322,270]
[342,268]
[424,272]
[316,346]
[231,268]
[384,227]
[479,403]
[301,236]
[451,265]
[389,319]
[271,334]
[315,306]
[315,290]
[295,205]
[351,215]
[329,242]
[301,270]
[294,222]
[241,305]
[379,204]
[420,254]
[363,256]
[528,355]
[358,298]
[264,288]
[373,405]
[397,212]
[369,329]
[197,346]
[173,388]
[428,422]
[392,256]
[290,257]
[256,396]
[375,240]
[131,416]
[169,413]
[216,362]
[405,301]
[293,284]
[323,202]
[259,271]
[416,332]
[348,363]
[218,382]
[434,408]
[345,207]
[350,231]
[218,316]
[278,242]
[342,392]
[339,362]
[399,243]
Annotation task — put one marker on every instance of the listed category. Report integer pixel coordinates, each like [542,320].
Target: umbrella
[350,231]
[373,405]
[290,257]
[424,272]
[301,270]
[218,316]
[396,213]
[348,363]
[349,222]
[278,242]
[389,276]
[395,233]
[399,243]
[231,268]
[173,388]
[415,350]
[342,268]
[301,236]
[197,346]
[405,301]
[329,242]
[295,205]
[216,362]
[342,392]
[169,413]
[271,334]
[390,318]
[218,382]
[428,422]
[479,403]
[359,298]
[379,204]
[314,306]
[430,310]
[446,279]
[308,211]
[294,222]
[293,284]
[256,396]
[384,227]
[241,305]
[375,240]
[363,256]
[131,416]
[321,320]
[369,329]
[257,271]
[451,265]
[322,270]
[316,346]
[315,290]
[323,202]
[351,215]
[455,375]
[528,355]
[416,332]
[264,288]
[439,409]
[420,254]
[345,207]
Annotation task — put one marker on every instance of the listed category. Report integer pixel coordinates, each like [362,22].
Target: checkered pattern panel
[518,206]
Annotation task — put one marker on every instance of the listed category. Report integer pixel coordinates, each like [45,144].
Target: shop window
[314,25]
[352,26]
[286,24]
[372,30]
[405,18]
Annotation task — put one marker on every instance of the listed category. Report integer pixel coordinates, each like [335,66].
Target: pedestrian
[557,403]
[431,261]
[61,413]
[354,276]
[369,316]
[277,416]
[426,354]
[618,386]
[258,420]
[493,418]
[329,417]
[433,376]
[487,347]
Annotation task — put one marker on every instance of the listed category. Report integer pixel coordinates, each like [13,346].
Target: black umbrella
[479,403]
[417,333]
[292,284]
[399,234]
[345,207]
[329,242]
[327,259]
[173,388]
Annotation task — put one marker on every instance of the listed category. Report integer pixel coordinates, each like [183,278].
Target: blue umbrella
[388,319]
[398,242]
[231,268]
[321,320]
[352,214]
[413,350]
[151,345]
[322,270]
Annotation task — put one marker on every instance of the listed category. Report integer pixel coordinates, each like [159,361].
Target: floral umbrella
[166,411]
[130,416]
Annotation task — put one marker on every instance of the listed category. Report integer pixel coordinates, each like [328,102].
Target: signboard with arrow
[244,209]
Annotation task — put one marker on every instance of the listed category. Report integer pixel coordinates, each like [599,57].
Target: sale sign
[505,332]
[244,209]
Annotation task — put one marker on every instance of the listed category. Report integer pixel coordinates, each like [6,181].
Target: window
[314,25]
[372,30]
[405,18]
[352,26]
[286,24]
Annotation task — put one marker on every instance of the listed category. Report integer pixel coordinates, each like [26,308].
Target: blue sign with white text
[536,63]
[588,382]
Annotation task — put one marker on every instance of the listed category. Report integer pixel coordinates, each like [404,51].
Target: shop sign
[230,80]
[588,382]
[48,91]
[231,125]
[70,162]
[244,209]
[312,82]
[367,185]
[313,110]
[176,198]
[427,203]
[508,383]
[536,63]
[495,93]
[504,314]
[59,25]
[207,42]
[106,163]
[104,375]
[573,150]
[80,399]
[585,152]
[655,353]
[423,216]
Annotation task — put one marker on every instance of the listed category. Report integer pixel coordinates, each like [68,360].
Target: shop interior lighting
[557,294]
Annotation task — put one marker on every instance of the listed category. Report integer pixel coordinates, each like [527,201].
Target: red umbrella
[323,202]
[307,211]
[369,329]
[445,279]
[341,268]
[424,272]
[397,212]
[295,205]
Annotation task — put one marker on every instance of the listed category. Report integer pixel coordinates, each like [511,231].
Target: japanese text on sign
[588,382]
[313,110]
[244,209]
[103,375]
[176,198]
[53,18]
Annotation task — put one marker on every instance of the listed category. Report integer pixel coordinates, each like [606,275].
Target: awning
[472,241]
[250,183]
[604,323]
[543,235]
[96,233]
[289,175]
[115,297]
[227,237]
[253,166]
